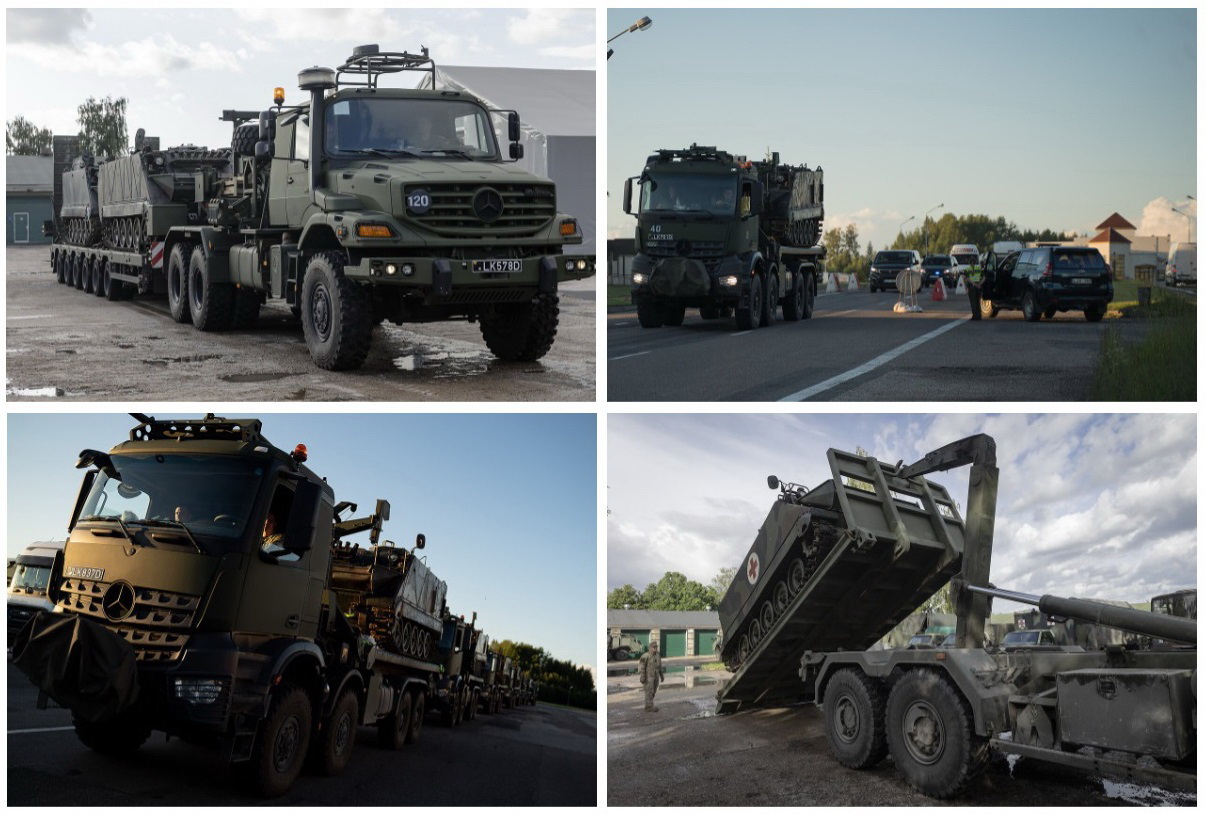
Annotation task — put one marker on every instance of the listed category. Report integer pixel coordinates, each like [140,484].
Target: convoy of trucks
[726,235]
[361,204]
[27,584]
[836,567]
[209,588]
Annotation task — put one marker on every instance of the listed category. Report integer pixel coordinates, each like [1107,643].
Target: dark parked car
[936,266]
[888,264]
[1047,279]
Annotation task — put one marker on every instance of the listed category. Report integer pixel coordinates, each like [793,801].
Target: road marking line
[40,730]
[30,317]
[629,356]
[743,333]
[866,367]
[837,313]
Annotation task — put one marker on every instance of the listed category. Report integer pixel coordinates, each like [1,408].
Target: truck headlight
[730,280]
[390,268]
[407,270]
[199,691]
[639,278]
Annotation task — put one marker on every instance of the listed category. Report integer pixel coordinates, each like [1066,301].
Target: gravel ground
[64,344]
[683,755]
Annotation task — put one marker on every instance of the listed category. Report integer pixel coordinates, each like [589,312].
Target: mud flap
[79,664]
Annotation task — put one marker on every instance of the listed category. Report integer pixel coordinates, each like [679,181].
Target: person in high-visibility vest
[974,275]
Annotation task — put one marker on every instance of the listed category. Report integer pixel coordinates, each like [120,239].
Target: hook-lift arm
[980,452]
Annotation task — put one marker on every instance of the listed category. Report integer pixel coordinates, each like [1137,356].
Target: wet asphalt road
[528,756]
[682,755]
[64,344]
[840,355]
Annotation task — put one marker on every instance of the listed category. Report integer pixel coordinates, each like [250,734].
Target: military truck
[834,568]
[622,646]
[208,589]
[28,583]
[459,687]
[491,688]
[359,205]
[726,235]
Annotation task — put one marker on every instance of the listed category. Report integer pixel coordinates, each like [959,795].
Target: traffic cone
[939,290]
[853,281]
[962,285]
[832,283]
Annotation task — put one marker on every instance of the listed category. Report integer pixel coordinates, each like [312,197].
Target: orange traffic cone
[939,290]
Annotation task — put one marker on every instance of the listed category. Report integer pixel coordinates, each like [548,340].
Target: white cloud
[1158,218]
[151,56]
[289,25]
[45,26]
[544,26]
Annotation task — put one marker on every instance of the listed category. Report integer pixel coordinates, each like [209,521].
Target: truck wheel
[709,312]
[336,317]
[87,275]
[246,308]
[211,304]
[648,313]
[749,317]
[522,332]
[1029,308]
[770,306]
[281,746]
[471,711]
[451,711]
[809,296]
[245,137]
[931,735]
[392,730]
[673,314]
[112,287]
[416,721]
[337,739]
[98,276]
[58,267]
[77,271]
[854,708]
[792,306]
[116,738]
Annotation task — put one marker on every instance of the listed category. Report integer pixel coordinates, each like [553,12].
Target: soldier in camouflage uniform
[651,674]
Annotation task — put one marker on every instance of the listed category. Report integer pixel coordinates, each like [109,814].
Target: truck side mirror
[513,130]
[263,151]
[299,535]
[420,541]
[627,196]
[516,151]
[772,482]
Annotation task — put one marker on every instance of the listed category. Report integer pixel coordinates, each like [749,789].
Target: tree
[23,138]
[676,592]
[849,241]
[720,583]
[103,126]
[624,597]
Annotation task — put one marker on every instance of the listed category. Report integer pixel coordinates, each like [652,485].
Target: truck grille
[157,627]
[525,208]
[707,252]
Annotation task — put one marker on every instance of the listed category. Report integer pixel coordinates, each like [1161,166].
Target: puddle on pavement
[163,361]
[11,391]
[445,364]
[252,377]
[705,708]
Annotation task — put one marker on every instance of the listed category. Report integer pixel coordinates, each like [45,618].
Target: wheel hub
[847,719]
[924,736]
[286,744]
[321,311]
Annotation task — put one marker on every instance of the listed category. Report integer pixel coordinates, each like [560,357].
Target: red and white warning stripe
[157,255]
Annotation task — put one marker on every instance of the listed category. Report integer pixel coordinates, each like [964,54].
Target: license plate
[1080,281]
[497,266]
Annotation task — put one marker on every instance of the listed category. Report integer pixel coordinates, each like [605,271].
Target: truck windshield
[430,128]
[30,578]
[689,193]
[211,495]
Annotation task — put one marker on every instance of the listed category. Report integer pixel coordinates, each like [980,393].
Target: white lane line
[866,367]
[741,333]
[40,730]
[629,356]
[837,313]
[29,317]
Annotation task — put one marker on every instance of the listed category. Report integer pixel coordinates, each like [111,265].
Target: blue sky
[1050,118]
[507,502]
[1097,505]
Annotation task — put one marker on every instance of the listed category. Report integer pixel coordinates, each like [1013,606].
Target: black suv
[936,266]
[888,264]
[1047,279]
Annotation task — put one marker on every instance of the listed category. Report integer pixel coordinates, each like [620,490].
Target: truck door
[289,188]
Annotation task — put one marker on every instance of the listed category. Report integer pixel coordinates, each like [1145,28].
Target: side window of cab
[275,524]
[284,138]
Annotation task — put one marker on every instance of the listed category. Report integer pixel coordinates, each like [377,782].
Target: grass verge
[619,295]
[1159,366]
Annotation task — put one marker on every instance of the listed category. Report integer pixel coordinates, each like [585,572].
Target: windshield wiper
[125,530]
[174,525]
[449,152]
[379,151]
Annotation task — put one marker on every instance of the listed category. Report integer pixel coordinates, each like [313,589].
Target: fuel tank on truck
[834,568]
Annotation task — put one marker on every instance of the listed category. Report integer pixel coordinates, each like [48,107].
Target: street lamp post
[900,231]
[639,25]
[925,227]
[1187,217]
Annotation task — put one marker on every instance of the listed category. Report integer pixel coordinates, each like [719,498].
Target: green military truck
[359,205]
[726,235]
[458,691]
[208,589]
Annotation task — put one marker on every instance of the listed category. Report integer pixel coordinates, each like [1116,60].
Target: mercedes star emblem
[118,602]
[487,203]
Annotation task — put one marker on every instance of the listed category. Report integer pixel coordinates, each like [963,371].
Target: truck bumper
[443,278]
[689,280]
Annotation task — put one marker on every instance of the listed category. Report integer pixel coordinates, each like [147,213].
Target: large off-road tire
[210,304]
[336,740]
[336,316]
[931,735]
[792,304]
[120,737]
[245,137]
[60,267]
[809,295]
[673,314]
[749,317]
[854,711]
[89,275]
[77,271]
[98,276]
[1029,308]
[470,711]
[770,306]
[282,742]
[450,715]
[648,313]
[392,730]
[522,332]
[246,308]
[416,721]
[113,288]
[1094,314]
[177,281]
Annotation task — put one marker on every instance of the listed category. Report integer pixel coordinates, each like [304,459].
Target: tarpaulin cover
[79,664]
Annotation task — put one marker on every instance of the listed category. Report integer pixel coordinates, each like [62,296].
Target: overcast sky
[1099,506]
[1050,118]
[181,68]
[507,502]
